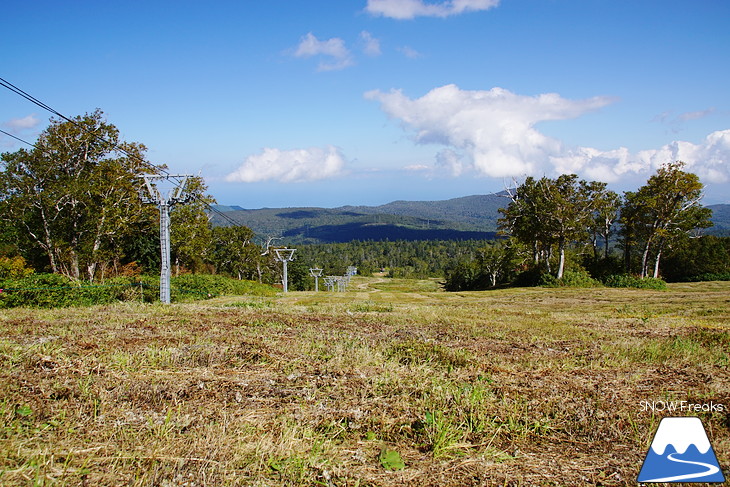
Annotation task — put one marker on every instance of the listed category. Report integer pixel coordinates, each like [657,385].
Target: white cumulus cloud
[495,128]
[709,159]
[409,9]
[333,50]
[409,52]
[492,132]
[289,166]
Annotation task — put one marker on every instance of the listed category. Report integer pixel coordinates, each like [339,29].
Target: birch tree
[666,207]
[546,214]
[74,195]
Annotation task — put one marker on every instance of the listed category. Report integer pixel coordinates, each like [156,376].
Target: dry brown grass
[510,387]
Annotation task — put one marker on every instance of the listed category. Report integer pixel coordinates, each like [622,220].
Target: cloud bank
[288,166]
[409,9]
[493,133]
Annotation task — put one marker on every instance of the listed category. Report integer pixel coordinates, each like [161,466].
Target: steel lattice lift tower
[165,200]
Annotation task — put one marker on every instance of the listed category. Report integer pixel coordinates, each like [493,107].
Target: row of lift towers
[333,283]
[169,190]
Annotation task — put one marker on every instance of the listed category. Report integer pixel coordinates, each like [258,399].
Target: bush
[57,291]
[577,278]
[200,286]
[531,277]
[14,268]
[625,280]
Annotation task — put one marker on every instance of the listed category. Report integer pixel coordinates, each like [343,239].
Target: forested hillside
[720,220]
[470,217]
[466,218]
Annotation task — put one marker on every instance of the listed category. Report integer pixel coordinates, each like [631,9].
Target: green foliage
[666,209]
[722,276]
[690,258]
[465,276]
[391,459]
[57,291]
[234,253]
[14,268]
[203,285]
[190,231]
[411,259]
[601,267]
[626,280]
[571,278]
[72,198]
[494,265]
[530,277]
[550,214]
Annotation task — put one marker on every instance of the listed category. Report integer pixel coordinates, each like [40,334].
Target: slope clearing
[391,383]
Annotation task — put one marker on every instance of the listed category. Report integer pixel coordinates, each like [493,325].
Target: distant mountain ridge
[467,217]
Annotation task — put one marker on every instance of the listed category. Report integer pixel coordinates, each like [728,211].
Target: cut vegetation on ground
[391,383]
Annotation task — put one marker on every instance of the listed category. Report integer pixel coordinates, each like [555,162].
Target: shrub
[14,268]
[57,291]
[576,278]
[625,280]
[198,286]
[531,277]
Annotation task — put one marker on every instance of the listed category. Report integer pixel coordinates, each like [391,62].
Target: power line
[19,139]
[6,84]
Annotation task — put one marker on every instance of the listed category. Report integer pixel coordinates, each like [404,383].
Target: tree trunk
[645,259]
[74,270]
[493,278]
[561,264]
[91,270]
[660,247]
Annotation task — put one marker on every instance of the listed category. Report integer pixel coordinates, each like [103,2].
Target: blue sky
[328,103]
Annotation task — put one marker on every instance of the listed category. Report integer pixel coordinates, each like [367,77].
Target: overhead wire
[6,84]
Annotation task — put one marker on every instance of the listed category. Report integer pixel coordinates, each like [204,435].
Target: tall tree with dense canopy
[527,220]
[603,205]
[548,213]
[190,228]
[235,253]
[666,207]
[74,195]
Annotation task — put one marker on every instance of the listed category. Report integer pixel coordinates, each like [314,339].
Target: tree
[496,259]
[662,210]
[548,213]
[691,258]
[190,229]
[570,213]
[526,218]
[74,196]
[234,252]
[603,205]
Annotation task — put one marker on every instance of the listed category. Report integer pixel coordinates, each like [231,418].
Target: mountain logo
[680,452]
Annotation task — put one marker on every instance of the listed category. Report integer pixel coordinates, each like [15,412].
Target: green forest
[71,206]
